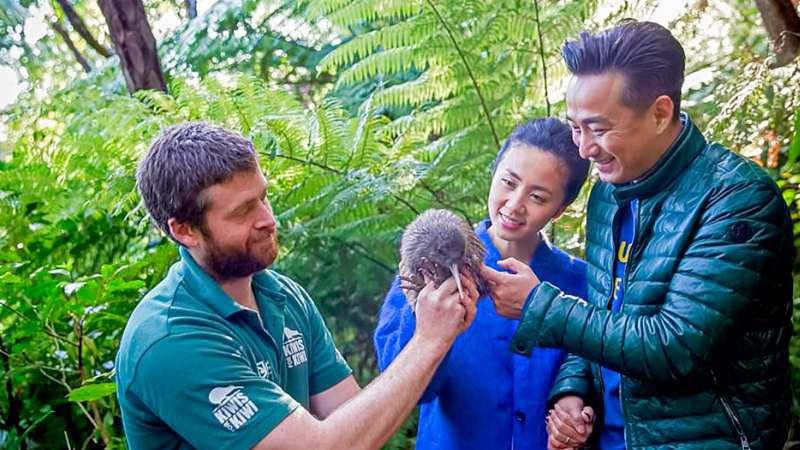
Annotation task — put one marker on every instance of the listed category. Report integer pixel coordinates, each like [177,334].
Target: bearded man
[224,353]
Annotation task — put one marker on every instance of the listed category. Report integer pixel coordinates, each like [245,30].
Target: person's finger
[512,264]
[588,414]
[471,287]
[468,283]
[448,287]
[426,290]
[552,441]
[491,275]
[565,432]
[469,314]
[571,418]
[553,444]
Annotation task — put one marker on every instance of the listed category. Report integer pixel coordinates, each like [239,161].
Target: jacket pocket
[733,419]
[731,414]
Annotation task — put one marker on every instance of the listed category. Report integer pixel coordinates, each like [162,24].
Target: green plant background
[364,112]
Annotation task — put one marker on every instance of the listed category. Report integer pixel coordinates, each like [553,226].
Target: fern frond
[361,11]
[385,62]
[403,34]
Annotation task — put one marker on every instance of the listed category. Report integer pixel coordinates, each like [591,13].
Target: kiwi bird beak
[454,270]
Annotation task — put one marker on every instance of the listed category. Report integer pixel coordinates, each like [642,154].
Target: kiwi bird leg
[454,270]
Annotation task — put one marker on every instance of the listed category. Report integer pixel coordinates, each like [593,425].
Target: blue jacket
[483,396]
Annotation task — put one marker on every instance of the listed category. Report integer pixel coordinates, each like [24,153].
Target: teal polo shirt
[197,370]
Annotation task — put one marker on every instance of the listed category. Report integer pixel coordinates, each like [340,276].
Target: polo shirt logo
[233,408]
[294,348]
[264,370]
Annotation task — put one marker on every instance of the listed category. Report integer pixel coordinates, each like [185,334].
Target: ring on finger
[568,440]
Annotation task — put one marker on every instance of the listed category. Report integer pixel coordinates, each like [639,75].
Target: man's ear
[662,112]
[184,233]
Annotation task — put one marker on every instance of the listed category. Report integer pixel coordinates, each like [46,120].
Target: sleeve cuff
[527,335]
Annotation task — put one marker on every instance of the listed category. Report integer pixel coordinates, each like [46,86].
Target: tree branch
[134,43]
[541,53]
[438,196]
[341,174]
[65,36]
[5,304]
[783,26]
[14,403]
[469,72]
[98,421]
[79,26]
[356,247]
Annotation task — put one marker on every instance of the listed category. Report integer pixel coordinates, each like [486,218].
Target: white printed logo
[233,408]
[294,348]
[264,369]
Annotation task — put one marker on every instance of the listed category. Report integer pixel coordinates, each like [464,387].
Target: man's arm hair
[324,403]
[366,420]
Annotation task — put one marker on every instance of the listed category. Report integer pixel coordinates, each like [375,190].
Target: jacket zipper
[731,414]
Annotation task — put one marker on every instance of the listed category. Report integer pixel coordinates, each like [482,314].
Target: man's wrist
[436,347]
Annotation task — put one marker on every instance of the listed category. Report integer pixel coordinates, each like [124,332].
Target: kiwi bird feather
[436,245]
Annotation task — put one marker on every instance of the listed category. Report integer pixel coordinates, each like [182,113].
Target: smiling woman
[536,174]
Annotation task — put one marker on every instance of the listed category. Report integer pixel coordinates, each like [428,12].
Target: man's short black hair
[646,53]
[183,161]
[555,137]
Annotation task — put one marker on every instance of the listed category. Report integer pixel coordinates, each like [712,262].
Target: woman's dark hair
[555,137]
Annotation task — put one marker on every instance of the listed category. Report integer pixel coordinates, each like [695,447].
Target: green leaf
[92,392]
[9,278]
[71,288]
[794,149]
[126,286]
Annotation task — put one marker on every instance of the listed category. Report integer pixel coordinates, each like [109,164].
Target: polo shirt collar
[204,288]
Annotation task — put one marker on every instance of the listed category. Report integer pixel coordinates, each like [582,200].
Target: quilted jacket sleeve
[722,277]
[575,378]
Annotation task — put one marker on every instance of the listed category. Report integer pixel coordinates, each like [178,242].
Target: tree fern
[481,73]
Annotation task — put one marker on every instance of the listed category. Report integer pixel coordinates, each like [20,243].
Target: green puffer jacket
[702,339]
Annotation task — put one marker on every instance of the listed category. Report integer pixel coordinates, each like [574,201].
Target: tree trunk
[79,26]
[134,43]
[191,8]
[783,25]
[64,35]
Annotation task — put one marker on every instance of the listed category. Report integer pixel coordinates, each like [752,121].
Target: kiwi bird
[436,245]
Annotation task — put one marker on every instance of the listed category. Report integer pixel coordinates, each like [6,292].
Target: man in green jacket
[226,354]
[683,339]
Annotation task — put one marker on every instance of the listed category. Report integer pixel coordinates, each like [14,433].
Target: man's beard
[227,264]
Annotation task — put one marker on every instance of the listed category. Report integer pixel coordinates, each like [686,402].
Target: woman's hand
[569,424]
[509,290]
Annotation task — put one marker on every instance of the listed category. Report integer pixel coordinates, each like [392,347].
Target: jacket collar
[673,162]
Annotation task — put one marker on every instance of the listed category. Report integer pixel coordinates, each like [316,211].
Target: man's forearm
[369,419]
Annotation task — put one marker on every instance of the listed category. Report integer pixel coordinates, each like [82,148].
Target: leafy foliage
[481,71]
[364,112]
[78,251]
